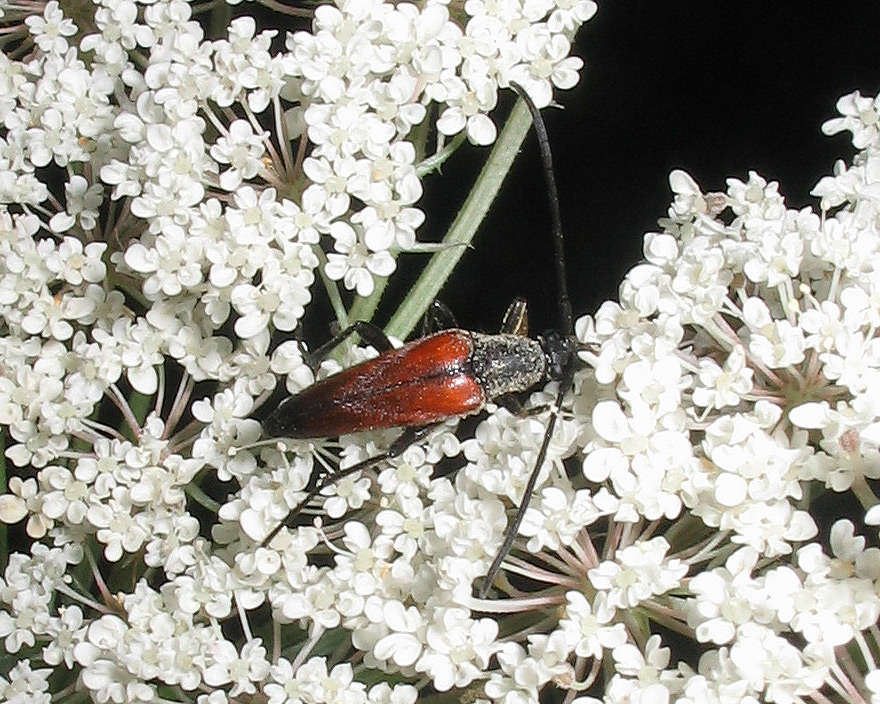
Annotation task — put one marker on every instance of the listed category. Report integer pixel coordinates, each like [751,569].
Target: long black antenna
[566,330]
[565,324]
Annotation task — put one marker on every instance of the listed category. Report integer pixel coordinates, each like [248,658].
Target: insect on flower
[452,372]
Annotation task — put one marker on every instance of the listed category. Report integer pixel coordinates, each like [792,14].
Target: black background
[717,89]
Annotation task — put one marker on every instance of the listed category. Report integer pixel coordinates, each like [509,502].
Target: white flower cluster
[732,386]
[744,364]
[166,201]
[729,389]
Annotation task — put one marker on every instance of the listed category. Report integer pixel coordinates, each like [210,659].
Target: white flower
[588,628]
[776,343]
[242,149]
[645,465]
[140,354]
[560,515]
[227,427]
[26,684]
[171,260]
[458,648]
[51,29]
[642,676]
[241,669]
[353,263]
[331,181]
[545,63]
[313,683]
[14,506]
[861,116]
[769,662]
[83,204]
[872,681]
[408,527]
[403,645]
[73,263]
[467,111]
[727,597]
[720,387]
[638,572]
[119,30]
[841,599]
[568,16]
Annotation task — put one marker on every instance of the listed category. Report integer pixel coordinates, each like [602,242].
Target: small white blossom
[242,149]
[353,263]
[643,676]
[860,115]
[458,648]
[588,628]
[638,572]
[26,685]
[51,29]
[720,387]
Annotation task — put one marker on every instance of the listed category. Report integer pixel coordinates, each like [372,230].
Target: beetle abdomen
[423,382]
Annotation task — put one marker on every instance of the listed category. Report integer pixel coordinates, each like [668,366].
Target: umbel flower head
[168,202]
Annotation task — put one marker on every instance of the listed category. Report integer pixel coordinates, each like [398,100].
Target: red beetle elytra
[449,373]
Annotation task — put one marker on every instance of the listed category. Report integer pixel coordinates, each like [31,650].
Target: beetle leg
[369,333]
[408,437]
[317,484]
[516,319]
[437,317]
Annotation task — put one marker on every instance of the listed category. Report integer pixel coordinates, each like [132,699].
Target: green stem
[465,226]
[342,316]
[196,493]
[365,308]
[435,161]
[140,405]
[863,492]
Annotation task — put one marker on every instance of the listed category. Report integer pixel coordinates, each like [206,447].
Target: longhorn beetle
[449,373]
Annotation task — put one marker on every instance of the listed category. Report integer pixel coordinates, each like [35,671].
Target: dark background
[717,89]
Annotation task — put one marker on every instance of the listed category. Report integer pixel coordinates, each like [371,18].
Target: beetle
[453,372]
[449,373]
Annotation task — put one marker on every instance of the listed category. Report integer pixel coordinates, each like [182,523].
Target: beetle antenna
[513,528]
[565,322]
[316,488]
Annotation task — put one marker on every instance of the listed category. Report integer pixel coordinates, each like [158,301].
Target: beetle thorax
[507,364]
